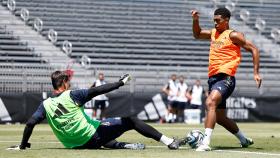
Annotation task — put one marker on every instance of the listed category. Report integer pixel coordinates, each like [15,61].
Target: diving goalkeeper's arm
[82,96]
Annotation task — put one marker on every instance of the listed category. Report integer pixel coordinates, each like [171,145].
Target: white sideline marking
[12,141]
[55,142]
[49,129]
[159,146]
[247,152]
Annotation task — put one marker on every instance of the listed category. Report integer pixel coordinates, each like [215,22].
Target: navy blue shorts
[181,105]
[173,104]
[225,84]
[194,106]
[109,130]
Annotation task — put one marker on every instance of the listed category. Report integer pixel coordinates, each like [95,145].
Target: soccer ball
[194,138]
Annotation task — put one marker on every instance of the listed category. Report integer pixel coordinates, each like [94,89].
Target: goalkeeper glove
[125,78]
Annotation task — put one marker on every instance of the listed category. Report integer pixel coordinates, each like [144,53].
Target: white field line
[49,129]
[56,142]
[187,127]
[13,141]
[248,152]
[158,146]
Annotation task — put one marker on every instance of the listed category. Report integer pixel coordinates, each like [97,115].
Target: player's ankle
[207,138]
[241,137]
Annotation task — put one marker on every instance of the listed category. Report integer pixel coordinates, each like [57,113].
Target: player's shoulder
[236,37]
[235,34]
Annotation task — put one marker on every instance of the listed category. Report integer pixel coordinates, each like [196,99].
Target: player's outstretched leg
[150,132]
[110,129]
[232,127]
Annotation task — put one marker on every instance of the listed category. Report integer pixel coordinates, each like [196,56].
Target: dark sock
[115,145]
[143,128]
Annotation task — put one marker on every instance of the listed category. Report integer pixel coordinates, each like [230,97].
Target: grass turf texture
[45,144]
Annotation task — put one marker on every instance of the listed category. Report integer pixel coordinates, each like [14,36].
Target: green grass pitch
[45,144]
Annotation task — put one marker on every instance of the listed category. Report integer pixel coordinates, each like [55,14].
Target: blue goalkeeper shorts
[225,84]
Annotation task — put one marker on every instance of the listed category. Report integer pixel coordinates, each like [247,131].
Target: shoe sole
[203,150]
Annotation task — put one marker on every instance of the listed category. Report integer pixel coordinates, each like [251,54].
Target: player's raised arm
[81,96]
[95,91]
[239,39]
[198,33]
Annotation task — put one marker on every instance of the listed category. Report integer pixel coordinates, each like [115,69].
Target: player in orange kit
[224,59]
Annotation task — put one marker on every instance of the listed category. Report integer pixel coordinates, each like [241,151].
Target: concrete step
[48,52]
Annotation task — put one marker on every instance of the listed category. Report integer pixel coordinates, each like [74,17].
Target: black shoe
[177,143]
[19,147]
[249,141]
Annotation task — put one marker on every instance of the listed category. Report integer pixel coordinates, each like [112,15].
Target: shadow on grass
[74,149]
[234,148]
[49,149]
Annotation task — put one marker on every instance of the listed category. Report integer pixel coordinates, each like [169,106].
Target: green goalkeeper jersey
[68,121]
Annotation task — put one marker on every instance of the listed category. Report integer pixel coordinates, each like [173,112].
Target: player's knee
[31,122]
[210,103]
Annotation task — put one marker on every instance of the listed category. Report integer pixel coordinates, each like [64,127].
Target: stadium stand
[12,50]
[265,10]
[17,57]
[149,38]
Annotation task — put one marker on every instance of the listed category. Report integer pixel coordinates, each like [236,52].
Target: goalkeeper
[74,129]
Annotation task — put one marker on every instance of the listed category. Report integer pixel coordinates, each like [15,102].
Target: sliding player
[74,129]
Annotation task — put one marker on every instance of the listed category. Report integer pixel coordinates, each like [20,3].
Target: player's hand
[125,78]
[258,80]
[195,14]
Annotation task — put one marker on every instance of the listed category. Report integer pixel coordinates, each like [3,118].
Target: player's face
[181,79]
[221,24]
[173,77]
[101,77]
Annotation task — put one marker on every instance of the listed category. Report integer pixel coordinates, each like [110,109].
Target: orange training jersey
[224,55]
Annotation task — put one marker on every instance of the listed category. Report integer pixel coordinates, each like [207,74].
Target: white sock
[165,140]
[169,117]
[174,116]
[207,138]
[241,137]
[166,115]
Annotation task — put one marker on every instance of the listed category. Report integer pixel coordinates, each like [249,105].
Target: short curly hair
[224,12]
